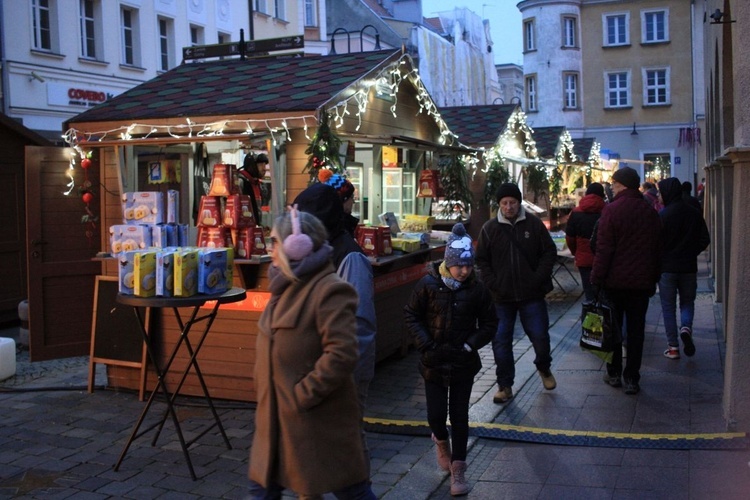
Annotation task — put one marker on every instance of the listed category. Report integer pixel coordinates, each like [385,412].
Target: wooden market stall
[374,106]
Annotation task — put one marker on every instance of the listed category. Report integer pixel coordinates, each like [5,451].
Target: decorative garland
[323,150]
[455,184]
[89,219]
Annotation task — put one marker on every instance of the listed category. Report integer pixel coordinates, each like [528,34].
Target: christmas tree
[323,150]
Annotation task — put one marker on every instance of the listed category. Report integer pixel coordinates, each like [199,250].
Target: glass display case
[399,191]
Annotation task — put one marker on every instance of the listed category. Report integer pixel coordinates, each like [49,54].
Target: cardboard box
[126,272]
[115,238]
[250,241]
[238,212]
[215,237]
[376,241]
[173,206]
[165,272]
[135,238]
[209,213]
[186,272]
[406,244]
[417,223]
[144,271]
[212,270]
[222,180]
[143,207]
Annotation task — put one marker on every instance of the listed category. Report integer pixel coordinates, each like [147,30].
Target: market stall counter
[228,356]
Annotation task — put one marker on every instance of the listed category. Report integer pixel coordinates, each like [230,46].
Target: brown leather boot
[443,451]
[459,484]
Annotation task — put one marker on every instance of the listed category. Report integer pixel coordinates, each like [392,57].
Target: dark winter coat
[628,244]
[684,233]
[580,227]
[441,320]
[515,260]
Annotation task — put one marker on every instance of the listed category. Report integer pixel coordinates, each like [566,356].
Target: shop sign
[60,94]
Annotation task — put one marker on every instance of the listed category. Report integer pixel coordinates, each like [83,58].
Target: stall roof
[478,126]
[583,148]
[235,86]
[548,141]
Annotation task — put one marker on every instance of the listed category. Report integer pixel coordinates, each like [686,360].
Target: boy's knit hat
[459,251]
[343,187]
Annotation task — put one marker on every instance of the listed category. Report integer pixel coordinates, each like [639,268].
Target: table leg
[161,384]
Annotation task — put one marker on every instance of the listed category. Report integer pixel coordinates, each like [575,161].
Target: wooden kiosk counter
[375,120]
[228,354]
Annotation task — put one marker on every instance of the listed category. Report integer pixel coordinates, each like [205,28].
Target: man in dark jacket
[626,266]
[515,258]
[685,236]
[578,233]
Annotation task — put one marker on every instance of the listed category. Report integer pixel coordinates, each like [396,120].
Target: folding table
[196,302]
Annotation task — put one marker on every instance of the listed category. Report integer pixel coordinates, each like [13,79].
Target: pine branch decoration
[455,183]
[323,150]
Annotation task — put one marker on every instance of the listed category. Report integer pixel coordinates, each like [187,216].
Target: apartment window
[531,93]
[261,6]
[570,90]
[197,35]
[280,9]
[310,17]
[616,29]
[91,29]
[657,166]
[655,86]
[570,32]
[129,32]
[617,89]
[655,26]
[529,34]
[43,29]
[166,43]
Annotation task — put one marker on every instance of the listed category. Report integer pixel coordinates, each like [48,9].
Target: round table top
[232,295]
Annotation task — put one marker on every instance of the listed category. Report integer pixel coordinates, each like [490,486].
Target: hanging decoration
[455,187]
[323,150]
[497,174]
[85,191]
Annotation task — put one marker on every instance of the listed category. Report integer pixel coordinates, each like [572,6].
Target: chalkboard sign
[116,337]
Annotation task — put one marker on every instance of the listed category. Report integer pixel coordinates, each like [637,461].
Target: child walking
[451,316]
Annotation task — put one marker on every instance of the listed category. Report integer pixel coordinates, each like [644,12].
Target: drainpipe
[251,30]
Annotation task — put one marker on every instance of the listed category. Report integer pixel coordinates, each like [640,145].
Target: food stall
[160,135]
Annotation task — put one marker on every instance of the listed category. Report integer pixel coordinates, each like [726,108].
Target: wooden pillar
[736,400]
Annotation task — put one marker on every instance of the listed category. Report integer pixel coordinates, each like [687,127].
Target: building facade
[61,57]
[630,79]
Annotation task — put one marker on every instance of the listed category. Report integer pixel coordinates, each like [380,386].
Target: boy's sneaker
[548,380]
[686,335]
[503,395]
[672,352]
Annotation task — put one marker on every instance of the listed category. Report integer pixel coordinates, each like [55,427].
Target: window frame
[531,90]
[666,87]
[44,29]
[645,26]
[165,27]
[311,14]
[261,6]
[605,29]
[197,34]
[131,50]
[279,10]
[575,92]
[91,30]
[529,35]
[627,90]
[569,37]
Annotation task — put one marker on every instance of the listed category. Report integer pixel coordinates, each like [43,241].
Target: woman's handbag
[600,330]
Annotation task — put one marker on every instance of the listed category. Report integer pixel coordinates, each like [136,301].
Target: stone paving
[58,441]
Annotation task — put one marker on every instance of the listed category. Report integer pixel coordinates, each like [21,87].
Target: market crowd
[316,341]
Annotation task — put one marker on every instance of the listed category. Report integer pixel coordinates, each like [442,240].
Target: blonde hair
[282,229]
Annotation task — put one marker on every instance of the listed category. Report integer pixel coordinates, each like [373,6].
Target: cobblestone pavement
[59,441]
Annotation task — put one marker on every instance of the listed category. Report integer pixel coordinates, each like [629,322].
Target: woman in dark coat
[451,316]
[307,433]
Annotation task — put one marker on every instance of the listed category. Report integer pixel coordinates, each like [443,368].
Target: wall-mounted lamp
[716,18]
[33,76]
[634,132]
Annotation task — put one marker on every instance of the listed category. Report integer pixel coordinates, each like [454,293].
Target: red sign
[254,302]
[398,278]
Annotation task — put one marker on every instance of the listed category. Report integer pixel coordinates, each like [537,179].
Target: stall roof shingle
[582,148]
[478,126]
[234,86]
[547,140]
